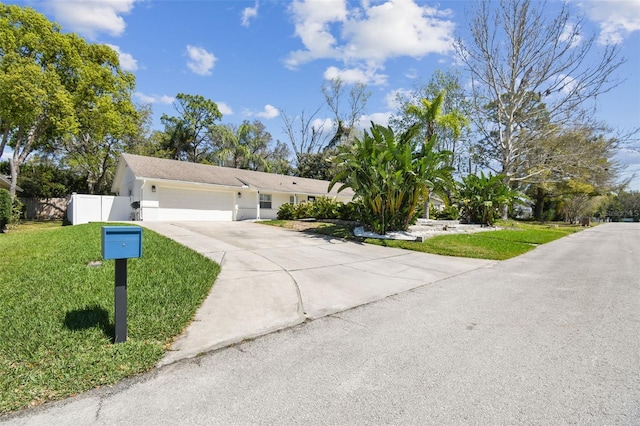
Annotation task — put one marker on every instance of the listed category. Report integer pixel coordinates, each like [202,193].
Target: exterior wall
[128,187]
[277,200]
[245,205]
[149,201]
[84,208]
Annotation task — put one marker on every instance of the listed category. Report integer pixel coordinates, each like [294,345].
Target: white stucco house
[162,190]
[5,183]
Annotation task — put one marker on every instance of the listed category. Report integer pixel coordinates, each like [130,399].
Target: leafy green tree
[451,121]
[106,117]
[625,204]
[188,135]
[317,165]
[36,63]
[279,159]
[43,178]
[482,196]
[242,147]
[392,175]
[571,161]
[60,94]
[145,141]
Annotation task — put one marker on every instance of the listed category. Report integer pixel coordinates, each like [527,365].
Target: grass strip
[495,245]
[502,244]
[56,310]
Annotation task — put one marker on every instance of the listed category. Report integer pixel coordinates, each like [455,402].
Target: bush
[17,211]
[326,208]
[321,208]
[5,209]
[448,213]
[303,210]
[286,212]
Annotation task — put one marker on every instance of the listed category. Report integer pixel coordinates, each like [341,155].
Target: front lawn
[513,240]
[56,310]
[496,245]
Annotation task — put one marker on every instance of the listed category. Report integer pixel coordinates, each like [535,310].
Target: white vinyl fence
[84,208]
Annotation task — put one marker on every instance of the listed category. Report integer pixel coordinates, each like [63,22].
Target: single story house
[162,190]
[5,183]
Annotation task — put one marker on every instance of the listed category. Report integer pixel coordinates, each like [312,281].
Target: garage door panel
[186,204]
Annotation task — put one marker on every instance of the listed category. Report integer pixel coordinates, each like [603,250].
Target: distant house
[5,183]
[163,190]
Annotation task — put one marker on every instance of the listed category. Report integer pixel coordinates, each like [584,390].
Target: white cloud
[154,99]
[381,118]
[224,108]
[569,34]
[356,75]
[322,124]
[269,112]
[391,98]
[617,18]
[370,34]
[127,61]
[248,13]
[312,21]
[412,74]
[91,17]
[200,61]
[566,83]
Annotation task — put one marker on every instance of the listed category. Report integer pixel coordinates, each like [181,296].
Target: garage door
[188,204]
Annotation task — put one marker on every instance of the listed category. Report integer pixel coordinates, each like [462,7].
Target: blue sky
[257,58]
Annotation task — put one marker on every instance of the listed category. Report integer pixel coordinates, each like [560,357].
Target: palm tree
[236,147]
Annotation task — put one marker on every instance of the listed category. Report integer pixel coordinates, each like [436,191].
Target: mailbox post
[121,243]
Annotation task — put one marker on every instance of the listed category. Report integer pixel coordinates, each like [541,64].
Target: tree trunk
[539,204]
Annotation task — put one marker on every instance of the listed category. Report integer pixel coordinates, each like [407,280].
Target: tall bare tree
[345,116]
[529,64]
[305,132]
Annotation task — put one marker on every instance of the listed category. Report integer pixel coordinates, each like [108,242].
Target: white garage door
[188,204]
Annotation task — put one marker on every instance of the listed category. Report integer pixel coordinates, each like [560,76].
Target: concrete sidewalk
[274,278]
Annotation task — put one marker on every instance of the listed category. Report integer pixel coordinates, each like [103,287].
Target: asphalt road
[551,337]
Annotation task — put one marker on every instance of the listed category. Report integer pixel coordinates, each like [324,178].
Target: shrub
[17,211]
[448,213]
[351,211]
[303,210]
[5,209]
[321,208]
[326,208]
[285,212]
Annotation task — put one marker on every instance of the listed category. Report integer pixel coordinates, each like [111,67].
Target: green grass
[514,239]
[56,312]
[496,245]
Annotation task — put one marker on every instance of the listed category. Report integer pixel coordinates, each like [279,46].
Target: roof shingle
[160,168]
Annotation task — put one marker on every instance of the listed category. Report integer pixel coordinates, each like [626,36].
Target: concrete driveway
[273,278]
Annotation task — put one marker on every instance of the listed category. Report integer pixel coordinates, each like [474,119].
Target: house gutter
[144,182]
[183,182]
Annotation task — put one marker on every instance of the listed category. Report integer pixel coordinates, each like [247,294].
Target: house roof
[182,171]
[5,182]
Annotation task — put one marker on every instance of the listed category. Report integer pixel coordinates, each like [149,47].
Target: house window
[265,201]
[311,198]
[292,199]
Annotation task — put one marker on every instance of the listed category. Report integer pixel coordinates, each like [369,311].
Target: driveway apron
[273,278]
